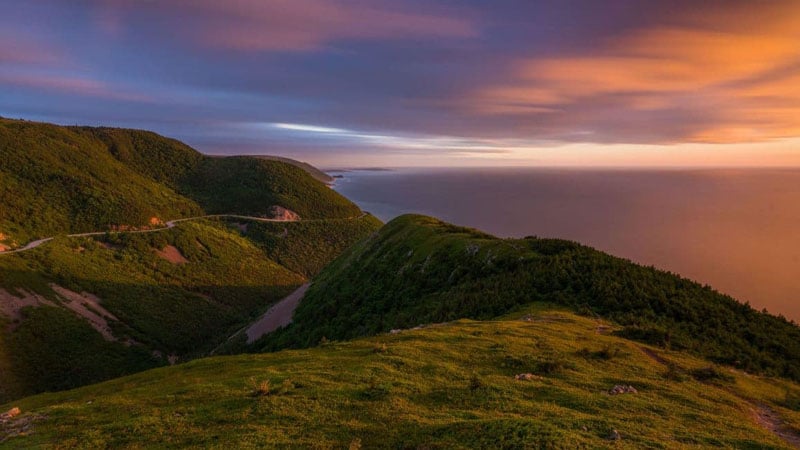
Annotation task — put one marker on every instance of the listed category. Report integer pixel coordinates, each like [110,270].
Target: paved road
[169,224]
[279,315]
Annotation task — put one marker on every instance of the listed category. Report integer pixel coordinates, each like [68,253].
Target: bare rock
[614,435]
[280,213]
[622,389]
[10,414]
[526,377]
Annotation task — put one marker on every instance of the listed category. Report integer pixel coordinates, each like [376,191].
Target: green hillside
[445,386]
[78,310]
[56,179]
[420,270]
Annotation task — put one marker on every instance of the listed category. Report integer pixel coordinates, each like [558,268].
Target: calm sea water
[737,230]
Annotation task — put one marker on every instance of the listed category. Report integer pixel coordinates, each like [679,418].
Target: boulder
[10,414]
[622,389]
[526,377]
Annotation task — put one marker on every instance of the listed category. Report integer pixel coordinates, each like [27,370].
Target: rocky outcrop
[622,389]
[280,213]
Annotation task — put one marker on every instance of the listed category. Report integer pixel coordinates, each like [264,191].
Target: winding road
[169,224]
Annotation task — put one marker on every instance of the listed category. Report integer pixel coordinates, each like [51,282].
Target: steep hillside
[446,386]
[419,270]
[56,179]
[79,310]
[82,310]
[250,185]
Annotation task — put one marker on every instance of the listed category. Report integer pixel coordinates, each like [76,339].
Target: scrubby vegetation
[307,247]
[419,270]
[438,387]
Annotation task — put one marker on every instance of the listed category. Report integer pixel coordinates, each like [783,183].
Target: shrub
[260,388]
[791,401]
[549,367]
[379,347]
[475,383]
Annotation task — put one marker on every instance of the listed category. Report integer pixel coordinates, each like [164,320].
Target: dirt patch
[276,317]
[88,307]
[172,254]
[771,421]
[11,305]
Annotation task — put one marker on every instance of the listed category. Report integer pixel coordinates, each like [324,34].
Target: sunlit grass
[445,386]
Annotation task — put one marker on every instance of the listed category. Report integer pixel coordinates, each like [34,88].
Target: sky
[348,83]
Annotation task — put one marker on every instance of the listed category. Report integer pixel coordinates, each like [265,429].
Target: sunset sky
[410,83]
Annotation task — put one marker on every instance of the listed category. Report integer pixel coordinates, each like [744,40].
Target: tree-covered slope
[419,270]
[249,185]
[441,387]
[56,179]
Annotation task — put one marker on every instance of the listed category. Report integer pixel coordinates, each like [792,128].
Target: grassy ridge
[449,386]
[420,270]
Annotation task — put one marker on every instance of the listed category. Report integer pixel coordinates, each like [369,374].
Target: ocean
[737,230]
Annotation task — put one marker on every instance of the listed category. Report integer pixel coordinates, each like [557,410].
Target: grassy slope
[447,386]
[419,270]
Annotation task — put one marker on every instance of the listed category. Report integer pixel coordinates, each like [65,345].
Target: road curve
[169,224]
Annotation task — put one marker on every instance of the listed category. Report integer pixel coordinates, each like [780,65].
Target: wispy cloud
[430,143]
[71,85]
[20,49]
[287,25]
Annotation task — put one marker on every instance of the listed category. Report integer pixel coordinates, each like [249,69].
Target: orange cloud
[727,82]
